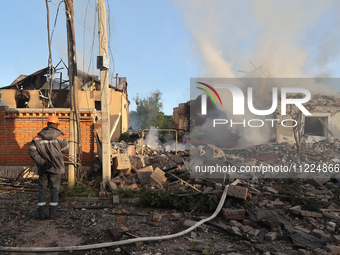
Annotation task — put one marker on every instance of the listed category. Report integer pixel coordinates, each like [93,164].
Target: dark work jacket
[49,146]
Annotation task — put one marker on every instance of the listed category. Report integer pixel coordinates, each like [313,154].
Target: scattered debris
[301,213]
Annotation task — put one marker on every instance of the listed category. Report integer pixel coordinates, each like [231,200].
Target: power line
[55,20]
[50,64]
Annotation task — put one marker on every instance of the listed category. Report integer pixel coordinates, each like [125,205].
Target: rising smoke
[152,141]
[225,34]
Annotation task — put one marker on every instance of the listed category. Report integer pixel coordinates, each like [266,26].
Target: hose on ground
[117,243]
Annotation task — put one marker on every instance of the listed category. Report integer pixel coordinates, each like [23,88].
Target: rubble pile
[259,216]
[272,210]
[319,159]
[136,165]
[324,100]
[325,151]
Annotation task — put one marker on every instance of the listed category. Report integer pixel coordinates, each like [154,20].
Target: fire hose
[117,243]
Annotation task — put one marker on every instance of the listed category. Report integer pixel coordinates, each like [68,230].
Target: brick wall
[19,126]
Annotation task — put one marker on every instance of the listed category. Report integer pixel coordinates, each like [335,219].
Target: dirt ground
[83,223]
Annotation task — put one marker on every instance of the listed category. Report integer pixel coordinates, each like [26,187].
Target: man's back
[48,147]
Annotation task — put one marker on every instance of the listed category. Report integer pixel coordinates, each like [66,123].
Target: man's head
[53,122]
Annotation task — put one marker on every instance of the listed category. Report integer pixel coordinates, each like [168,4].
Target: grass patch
[124,193]
[79,191]
[171,200]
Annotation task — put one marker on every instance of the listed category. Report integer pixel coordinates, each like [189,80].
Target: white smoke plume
[226,34]
[152,141]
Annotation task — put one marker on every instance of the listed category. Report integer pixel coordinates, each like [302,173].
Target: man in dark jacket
[47,150]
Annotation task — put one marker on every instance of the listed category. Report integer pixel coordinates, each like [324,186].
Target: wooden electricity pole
[73,81]
[104,85]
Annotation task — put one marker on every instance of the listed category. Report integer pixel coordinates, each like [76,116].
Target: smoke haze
[228,33]
[275,34]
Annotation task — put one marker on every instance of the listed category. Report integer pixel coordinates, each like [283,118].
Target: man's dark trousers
[52,181]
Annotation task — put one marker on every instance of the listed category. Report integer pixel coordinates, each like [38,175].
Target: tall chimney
[116,80]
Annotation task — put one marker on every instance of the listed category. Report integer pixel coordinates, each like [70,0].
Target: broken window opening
[98,105]
[22,97]
[313,126]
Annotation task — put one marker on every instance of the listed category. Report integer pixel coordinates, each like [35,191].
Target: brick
[234,223]
[246,228]
[275,203]
[138,161]
[307,231]
[177,159]
[311,214]
[111,185]
[263,203]
[304,252]
[318,233]
[334,249]
[262,234]
[330,229]
[271,190]
[133,186]
[115,199]
[254,233]
[176,215]
[247,222]
[238,192]
[271,236]
[337,239]
[122,163]
[218,186]
[236,230]
[157,217]
[296,210]
[198,180]
[157,177]
[331,226]
[144,175]
[131,150]
[234,214]
[120,219]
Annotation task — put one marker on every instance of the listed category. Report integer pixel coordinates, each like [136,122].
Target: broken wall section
[324,123]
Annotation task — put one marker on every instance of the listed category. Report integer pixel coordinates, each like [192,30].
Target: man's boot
[53,210]
[41,212]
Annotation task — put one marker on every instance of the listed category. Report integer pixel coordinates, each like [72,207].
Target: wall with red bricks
[19,126]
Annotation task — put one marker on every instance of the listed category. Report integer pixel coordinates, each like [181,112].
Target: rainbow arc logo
[209,93]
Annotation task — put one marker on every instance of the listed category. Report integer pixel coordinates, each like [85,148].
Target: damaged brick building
[23,112]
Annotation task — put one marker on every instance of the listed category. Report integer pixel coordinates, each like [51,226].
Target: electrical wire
[55,20]
[123,242]
[50,64]
[93,38]
[109,43]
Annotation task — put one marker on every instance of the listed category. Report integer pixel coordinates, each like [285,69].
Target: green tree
[149,112]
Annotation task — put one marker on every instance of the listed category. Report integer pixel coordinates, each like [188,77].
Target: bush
[79,191]
[171,200]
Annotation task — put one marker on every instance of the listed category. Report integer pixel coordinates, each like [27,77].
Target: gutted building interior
[34,91]
[30,100]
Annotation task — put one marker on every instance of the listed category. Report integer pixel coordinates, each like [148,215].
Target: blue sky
[162,44]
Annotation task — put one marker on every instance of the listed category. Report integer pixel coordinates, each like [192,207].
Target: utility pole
[73,80]
[104,87]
